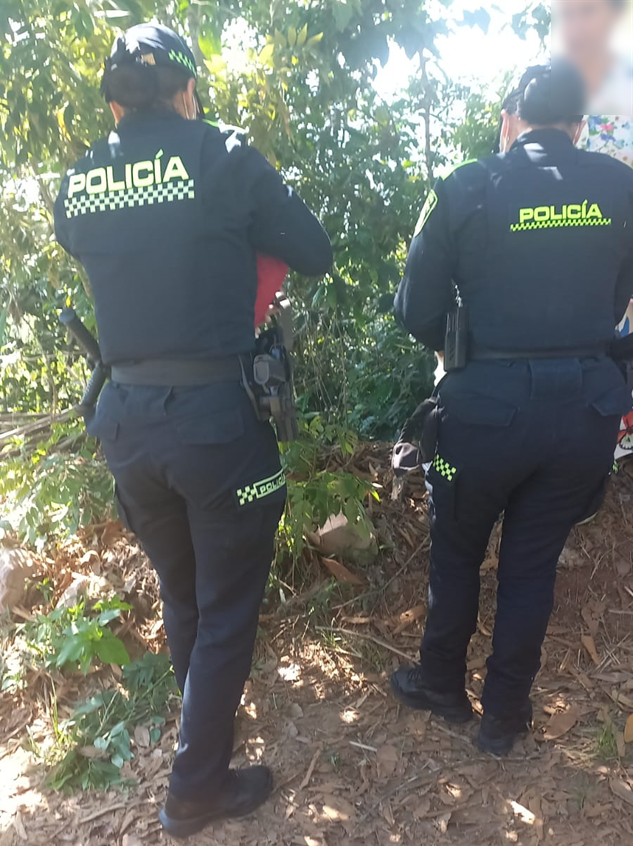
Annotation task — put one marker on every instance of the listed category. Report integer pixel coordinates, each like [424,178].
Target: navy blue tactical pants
[199,482]
[533,441]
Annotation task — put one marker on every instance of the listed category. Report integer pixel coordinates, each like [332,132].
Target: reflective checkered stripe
[555,224]
[444,468]
[165,192]
[260,490]
[427,211]
[177,56]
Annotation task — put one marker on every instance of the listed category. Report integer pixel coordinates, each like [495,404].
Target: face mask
[186,107]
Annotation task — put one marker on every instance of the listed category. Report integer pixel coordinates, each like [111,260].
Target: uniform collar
[151,117]
[551,139]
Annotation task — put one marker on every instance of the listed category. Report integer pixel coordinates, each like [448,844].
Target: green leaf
[209,44]
[382,115]
[216,65]
[267,54]
[3,323]
[480,18]
[72,650]
[111,650]
[343,14]
[292,36]
[302,36]
[108,616]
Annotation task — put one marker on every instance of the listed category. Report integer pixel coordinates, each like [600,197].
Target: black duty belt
[178,373]
[477,354]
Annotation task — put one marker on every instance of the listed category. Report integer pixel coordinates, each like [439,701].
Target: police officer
[535,246]
[167,215]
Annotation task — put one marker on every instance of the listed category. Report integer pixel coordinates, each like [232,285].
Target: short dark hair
[548,95]
[141,87]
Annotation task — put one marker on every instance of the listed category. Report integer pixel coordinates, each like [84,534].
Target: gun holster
[418,440]
[269,384]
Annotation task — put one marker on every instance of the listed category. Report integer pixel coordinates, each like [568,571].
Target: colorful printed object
[611,135]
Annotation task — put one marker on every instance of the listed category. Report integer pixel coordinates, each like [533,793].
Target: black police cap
[549,94]
[150,44]
[512,100]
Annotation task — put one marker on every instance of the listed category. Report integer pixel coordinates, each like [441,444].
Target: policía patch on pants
[446,470]
[261,491]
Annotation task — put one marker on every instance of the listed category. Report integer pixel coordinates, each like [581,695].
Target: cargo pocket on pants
[464,416]
[442,480]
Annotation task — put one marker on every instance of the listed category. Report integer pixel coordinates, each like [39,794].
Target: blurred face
[584,28]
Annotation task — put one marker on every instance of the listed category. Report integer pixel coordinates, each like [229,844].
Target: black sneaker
[243,792]
[497,735]
[409,688]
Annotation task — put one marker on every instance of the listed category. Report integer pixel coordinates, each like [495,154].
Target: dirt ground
[351,766]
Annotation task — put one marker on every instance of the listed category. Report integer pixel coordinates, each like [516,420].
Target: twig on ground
[451,733]
[101,812]
[313,763]
[285,783]
[383,588]
[118,806]
[363,746]
[378,641]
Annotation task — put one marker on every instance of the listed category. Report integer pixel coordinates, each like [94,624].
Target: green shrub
[94,744]
[315,494]
[75,637]
[53,490]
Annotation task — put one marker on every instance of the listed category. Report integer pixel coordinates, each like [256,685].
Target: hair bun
[557,94]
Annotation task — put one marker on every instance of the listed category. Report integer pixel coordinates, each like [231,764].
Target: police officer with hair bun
[519,271]
[168,215]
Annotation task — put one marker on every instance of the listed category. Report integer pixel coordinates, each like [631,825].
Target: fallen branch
[118,806]
[378,641]
[37,426]
[313,763]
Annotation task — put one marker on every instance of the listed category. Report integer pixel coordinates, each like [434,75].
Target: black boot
[409,688]
[498,734]
[243,792]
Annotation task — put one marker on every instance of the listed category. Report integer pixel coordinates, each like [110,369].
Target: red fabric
[271,273]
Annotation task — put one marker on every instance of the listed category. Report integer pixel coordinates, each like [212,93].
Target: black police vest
[543,232]
[154,216]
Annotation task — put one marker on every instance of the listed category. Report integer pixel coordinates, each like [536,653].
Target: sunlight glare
[350,715]
[468,54]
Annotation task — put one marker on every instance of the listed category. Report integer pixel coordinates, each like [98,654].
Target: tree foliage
[299,76]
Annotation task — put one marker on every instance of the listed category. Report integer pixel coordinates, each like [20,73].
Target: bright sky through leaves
[468,53]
